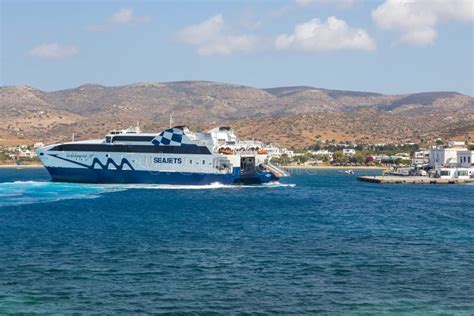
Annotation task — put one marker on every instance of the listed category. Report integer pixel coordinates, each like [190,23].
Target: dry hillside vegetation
[290,116]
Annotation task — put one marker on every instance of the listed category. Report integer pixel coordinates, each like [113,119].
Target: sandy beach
[285,166]
[334,167]
[22,166]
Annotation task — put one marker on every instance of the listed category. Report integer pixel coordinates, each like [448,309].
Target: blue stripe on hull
[133,176]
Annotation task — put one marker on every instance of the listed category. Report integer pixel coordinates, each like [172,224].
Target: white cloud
[212,38]
[332,35]
[126,16]
[202,32]
[416,20]
[339,3]
[54,51]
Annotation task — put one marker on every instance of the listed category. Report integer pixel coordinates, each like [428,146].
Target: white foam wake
[28,192]
[211,186]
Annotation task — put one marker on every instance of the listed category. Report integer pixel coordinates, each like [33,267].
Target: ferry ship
[174,156]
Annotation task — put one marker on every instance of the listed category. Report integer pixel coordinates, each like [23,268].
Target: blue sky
[383,46]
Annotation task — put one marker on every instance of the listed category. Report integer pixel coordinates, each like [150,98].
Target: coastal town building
[21,151]
[452,162]
[466,158]
[277,152]
[441,157]
[421,158]
[349,151]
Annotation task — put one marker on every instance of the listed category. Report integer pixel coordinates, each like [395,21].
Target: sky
[386,46]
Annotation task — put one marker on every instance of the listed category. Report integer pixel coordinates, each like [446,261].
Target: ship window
[190,149]
[108,139]
[190,161]
[203,162]
[134,138]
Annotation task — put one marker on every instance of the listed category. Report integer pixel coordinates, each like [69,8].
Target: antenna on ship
[72,137]
[171,120]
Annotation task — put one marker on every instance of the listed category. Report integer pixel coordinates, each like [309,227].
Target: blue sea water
[320,242]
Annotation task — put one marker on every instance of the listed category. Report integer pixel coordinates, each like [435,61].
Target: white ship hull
[101,162]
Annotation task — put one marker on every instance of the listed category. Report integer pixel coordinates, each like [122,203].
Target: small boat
[18,164]
[350,172]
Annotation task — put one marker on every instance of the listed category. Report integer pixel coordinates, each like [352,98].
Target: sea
[318,242]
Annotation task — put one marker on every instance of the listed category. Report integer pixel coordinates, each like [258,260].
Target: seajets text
[167,160]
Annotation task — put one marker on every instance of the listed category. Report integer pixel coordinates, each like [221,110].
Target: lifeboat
[262,152]
[226,151]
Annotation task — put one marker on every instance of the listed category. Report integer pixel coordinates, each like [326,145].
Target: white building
[26,153]
[452,163]
[322,152]
[348,152]
[455,173]
[456,144]
[223,135]
[277,152]
[465,158]
[421,157]
[38,145]
[443,157]
[289,153]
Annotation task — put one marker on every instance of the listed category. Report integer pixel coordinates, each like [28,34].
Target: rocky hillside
[288,115]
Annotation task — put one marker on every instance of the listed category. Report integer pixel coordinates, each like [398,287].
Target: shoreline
[22,166]
[283,166]
[333,167]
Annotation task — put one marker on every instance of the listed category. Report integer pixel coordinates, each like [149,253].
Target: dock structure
[412,180]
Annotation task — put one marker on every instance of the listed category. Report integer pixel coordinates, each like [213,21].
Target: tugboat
[173,156]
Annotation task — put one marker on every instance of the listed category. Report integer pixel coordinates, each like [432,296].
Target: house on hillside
[348,152]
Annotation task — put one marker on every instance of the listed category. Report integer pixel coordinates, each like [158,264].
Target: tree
[301,159]
[359,157]
[339,157]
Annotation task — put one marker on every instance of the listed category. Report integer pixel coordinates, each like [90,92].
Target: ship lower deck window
[203,162]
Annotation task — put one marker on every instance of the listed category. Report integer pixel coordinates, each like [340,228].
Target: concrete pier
[412,180]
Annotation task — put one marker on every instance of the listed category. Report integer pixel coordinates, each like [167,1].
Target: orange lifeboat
[262,152]
[226,151]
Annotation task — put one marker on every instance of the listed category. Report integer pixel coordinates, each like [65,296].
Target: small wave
[29,192]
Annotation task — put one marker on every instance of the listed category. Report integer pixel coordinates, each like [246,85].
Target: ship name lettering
[167,160]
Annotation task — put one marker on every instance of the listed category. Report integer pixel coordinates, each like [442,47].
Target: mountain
[291,116]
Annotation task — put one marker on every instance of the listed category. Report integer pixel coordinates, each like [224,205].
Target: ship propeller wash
[174,156]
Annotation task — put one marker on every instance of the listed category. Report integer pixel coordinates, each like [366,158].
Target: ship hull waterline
[84,175]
